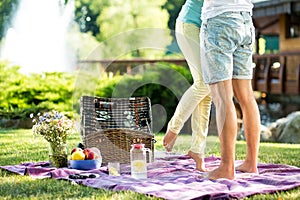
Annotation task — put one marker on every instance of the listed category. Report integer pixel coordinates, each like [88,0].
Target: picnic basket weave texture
[114,124]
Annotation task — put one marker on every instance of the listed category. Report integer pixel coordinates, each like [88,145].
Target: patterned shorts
[226,47]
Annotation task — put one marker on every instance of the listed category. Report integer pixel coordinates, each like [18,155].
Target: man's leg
[222,94]
[244,94]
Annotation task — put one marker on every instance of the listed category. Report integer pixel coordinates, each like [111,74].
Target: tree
[173,7]
[7,10]
[86,14]
[129,15]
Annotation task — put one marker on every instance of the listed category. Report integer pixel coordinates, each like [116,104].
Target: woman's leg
[200,119]
[196,100]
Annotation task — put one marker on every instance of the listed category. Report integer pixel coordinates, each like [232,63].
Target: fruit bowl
[85,164]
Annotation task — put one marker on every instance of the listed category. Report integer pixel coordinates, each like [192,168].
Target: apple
[96,151]
[86,152]
[75,149]
[91,156]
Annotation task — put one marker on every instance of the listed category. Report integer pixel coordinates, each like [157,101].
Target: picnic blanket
[174,177]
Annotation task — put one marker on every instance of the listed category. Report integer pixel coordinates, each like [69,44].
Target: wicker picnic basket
[114,124]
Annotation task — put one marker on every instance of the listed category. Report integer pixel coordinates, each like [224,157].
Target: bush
[163,83]
[24,94]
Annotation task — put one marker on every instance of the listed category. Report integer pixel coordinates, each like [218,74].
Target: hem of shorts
[226,79]
[216,81]
[242,77]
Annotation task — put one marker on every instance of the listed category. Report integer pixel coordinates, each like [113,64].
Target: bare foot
[247,167]
[199,161]
[169,140]
[221,172]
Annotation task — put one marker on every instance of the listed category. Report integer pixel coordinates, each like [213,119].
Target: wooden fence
[273,73]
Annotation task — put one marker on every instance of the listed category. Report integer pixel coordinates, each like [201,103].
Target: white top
[212,8]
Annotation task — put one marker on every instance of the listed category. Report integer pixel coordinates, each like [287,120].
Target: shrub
[24,94]
[163,83]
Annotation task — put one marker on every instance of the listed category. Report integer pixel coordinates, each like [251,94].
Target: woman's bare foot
[247,167]
[169,140]
[221,172]
[199,161]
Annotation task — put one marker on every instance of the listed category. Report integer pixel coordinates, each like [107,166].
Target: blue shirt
[191,12]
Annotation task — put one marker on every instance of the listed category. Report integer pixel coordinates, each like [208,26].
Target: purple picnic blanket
[175,177]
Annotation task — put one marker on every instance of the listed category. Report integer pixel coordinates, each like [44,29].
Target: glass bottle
[138,160]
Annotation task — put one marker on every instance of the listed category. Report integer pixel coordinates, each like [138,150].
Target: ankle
[229,166]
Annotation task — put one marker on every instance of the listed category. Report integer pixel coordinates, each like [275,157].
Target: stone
[291,130]
[277,127]
[266,134]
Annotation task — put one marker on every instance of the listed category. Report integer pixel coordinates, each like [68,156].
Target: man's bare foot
[169,140]
[199,161]
[247,167]
[221,172]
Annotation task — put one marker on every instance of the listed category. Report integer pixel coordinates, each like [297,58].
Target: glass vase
[58,155]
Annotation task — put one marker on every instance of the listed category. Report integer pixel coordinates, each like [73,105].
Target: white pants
[196,100]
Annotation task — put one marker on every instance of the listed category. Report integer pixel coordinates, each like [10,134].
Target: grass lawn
[20,146]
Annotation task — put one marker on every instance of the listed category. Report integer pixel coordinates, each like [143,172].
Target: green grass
[20,146]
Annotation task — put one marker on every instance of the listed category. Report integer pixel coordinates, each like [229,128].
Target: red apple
[91,156]
[75,149]
[86,152]
[96,151]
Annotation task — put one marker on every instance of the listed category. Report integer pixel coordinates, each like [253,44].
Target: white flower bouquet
[55,128]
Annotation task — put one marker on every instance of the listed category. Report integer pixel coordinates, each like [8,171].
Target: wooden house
[278,72]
